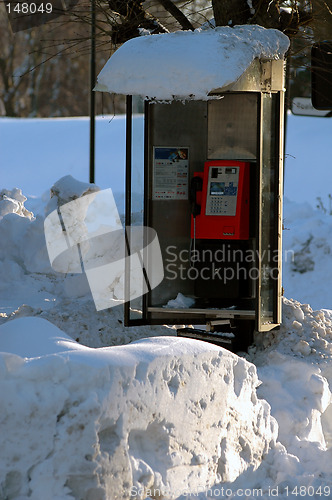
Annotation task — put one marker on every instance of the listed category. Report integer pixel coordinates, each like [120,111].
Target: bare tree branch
[177,14]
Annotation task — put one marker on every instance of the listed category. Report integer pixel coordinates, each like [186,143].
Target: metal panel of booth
[232,127]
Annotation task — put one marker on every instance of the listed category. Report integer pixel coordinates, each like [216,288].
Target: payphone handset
[220,201]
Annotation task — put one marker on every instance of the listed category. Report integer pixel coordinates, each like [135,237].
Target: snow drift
[164,414]
[66,407]
[13,202]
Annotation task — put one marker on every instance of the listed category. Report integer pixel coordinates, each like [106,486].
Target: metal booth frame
[265,79]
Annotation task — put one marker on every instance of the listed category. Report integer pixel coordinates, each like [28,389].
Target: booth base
[236,338]
[226,340]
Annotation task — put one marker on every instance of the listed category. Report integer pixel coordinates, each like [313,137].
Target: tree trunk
[322,25]
[230,12]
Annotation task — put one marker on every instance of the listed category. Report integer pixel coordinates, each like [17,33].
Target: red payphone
[220,201]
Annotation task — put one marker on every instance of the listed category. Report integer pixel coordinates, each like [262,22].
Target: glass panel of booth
[135,282]
[202,267]
[183,131]
[269,258]
[176,149]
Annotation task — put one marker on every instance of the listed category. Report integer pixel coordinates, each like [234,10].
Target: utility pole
[92,94]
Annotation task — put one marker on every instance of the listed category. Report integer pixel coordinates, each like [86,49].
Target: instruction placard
[170,173]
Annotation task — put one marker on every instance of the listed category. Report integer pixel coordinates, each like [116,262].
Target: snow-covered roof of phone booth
[188,64]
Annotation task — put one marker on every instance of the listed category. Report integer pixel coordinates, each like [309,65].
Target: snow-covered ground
[92,410]
[84,420]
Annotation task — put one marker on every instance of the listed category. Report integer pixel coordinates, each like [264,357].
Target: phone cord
[194,235]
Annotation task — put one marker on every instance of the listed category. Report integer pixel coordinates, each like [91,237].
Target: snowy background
[83,420]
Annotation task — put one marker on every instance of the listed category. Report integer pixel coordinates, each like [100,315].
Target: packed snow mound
[295,367]
[303,333]
[22,248]
[68,189]
[157,66]
[12,202]
[163,414]
[23,252]
[35,337]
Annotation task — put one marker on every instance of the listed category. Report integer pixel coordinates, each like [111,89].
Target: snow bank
[296,370]
[67,189]
[158,66]
[23,253]
[22,248]
[12,202]
[163,414]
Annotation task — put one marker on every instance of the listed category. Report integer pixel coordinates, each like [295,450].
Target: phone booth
[206,175]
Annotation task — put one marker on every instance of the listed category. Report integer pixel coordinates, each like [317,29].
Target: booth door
[136,283]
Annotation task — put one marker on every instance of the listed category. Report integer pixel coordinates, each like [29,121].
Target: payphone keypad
[222,191]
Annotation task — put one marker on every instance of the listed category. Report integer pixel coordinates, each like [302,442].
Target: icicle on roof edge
[188,64]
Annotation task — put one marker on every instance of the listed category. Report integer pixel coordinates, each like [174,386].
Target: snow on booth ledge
[188,63]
